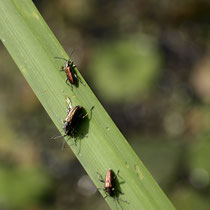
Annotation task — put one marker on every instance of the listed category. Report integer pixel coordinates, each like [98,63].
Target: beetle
[109,183]
[72,120]
[111,186]
[70,72]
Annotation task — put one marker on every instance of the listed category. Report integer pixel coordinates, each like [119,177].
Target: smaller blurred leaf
[20,187]
[198,160]
[188,199]
[126,68]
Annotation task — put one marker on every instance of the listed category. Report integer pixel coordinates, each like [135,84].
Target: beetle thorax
[67,64]
[108,179]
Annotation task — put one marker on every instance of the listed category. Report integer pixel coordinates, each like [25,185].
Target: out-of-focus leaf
[20,187]
[126,69]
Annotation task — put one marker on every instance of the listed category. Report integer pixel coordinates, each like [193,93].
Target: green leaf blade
[33,48]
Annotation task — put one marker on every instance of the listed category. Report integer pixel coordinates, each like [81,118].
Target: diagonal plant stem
[33,47]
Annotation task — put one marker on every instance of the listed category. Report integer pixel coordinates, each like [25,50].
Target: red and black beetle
[111,186]
[110,183]
[70,72]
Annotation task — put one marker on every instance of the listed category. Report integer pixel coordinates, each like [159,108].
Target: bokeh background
[148,62]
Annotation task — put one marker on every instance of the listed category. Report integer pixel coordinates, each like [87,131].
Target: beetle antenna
[72,53]
[57,137]
[63,145]
[61,58]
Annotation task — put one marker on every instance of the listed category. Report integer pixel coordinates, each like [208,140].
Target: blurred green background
[148,62]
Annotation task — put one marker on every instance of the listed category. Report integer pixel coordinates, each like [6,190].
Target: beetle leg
[116,174]
[63,145]
[62,68]
[57,137]
[106,196]
[67,79]
[100,178]
[75,141]
[115,203]
[83,116]
[80,80]
[91,109]
[123,200]
[73,66]
[121,193]
[79,147]
[118,204]
[77,77]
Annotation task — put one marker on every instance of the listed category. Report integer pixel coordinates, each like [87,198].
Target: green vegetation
[33,48]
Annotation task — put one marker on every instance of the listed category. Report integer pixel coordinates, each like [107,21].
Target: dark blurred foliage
[149,64]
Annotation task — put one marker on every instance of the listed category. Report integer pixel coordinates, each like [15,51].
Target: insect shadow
[112,186]
[76,124]
[81,129]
